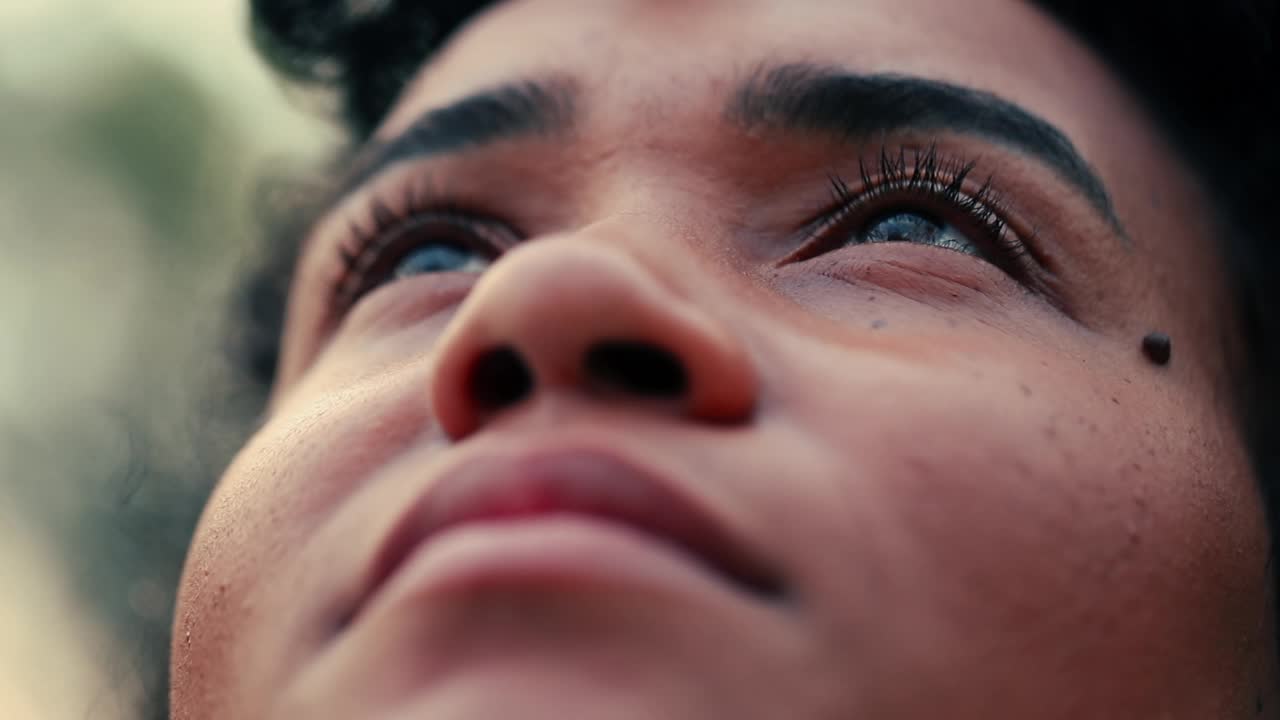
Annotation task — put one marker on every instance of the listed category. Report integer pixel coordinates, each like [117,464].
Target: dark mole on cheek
[1158,348]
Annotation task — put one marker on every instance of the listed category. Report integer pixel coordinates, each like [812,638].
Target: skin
[983,502]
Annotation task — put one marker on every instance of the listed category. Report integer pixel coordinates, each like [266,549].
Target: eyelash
[920,181]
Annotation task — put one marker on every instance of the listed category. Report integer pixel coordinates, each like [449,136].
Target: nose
[563,315]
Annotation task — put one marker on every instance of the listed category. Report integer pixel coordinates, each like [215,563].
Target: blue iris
[439,258]
[916,228]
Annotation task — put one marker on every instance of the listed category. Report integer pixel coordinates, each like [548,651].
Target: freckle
[1114,400]
[879,324]
[871,298]
[1026,391]
[1158,348]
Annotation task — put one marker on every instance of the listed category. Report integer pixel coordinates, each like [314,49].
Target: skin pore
[898,354]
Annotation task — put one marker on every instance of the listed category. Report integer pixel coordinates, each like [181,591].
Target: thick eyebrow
[811,98]
[504,112]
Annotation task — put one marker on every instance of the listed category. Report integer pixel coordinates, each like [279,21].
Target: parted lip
[589,482]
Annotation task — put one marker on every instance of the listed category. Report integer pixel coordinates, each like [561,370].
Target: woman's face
[745,359]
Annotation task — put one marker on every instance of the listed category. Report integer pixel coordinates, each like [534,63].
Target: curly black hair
[1200,68]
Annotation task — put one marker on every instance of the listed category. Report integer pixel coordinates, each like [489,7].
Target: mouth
[508,490]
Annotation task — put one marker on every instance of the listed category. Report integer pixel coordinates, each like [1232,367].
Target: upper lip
[579,481]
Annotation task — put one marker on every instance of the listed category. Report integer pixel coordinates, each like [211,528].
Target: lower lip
[559,553]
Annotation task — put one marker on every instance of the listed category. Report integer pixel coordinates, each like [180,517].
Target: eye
[914,227]
[921,199]
[423,242]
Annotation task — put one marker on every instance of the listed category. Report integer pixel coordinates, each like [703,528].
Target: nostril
[500,378]
[636,368]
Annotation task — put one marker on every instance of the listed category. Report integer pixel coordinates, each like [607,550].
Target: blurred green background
[134,139]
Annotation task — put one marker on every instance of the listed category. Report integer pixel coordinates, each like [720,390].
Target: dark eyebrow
[812,98]
[501,113]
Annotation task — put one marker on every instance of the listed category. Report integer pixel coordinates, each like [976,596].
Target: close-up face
[746,359]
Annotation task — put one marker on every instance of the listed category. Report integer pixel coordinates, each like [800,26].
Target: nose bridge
[572,293]
[557,306]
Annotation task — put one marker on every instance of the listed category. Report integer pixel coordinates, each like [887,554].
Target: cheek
[1026,512]
[248,563]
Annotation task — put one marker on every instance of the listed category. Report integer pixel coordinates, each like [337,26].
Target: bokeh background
[138,139]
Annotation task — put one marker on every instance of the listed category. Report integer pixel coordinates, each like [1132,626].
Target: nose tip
[566,316]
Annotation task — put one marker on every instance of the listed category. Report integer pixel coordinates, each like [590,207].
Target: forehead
[657,74]
[637,60]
